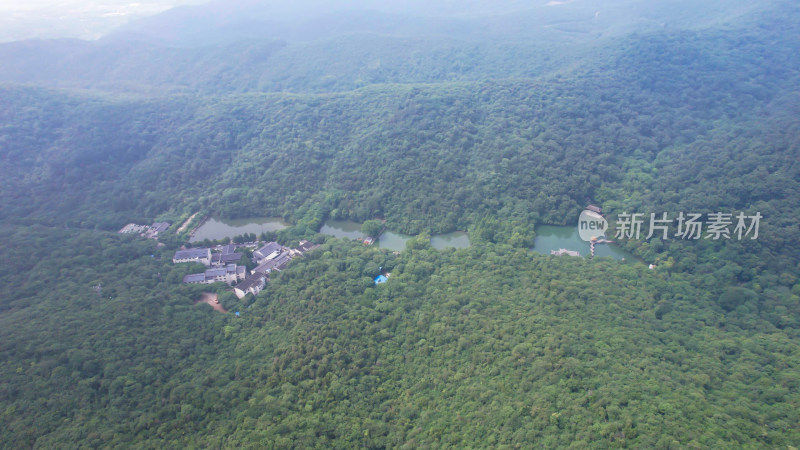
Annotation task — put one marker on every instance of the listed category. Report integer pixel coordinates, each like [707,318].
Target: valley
[472,136]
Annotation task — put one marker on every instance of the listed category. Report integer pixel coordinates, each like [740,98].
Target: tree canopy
[101,345]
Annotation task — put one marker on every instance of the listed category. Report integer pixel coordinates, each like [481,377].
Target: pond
[551,237]
[342,229]
[215,228]
[391,240]
[456,239]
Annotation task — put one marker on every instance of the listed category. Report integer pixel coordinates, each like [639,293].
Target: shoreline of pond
[391,240]
[214,228]
[557,237]
[548,237]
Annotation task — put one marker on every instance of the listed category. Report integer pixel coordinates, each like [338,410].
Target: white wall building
[198,255]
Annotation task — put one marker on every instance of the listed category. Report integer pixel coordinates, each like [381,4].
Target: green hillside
[442,156]
[488,346]
[481,129]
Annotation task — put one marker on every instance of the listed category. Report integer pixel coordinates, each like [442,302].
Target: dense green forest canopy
[435,156]
[324,46]
[484,346]
[435,121]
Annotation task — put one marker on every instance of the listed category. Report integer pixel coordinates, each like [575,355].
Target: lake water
[215,228]
[342,229]
[550,237]
[456,239]
[391,240]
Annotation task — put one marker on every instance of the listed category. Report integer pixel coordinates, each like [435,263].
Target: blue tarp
[380,279]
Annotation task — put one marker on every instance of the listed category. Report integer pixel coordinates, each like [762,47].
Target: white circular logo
[591,225]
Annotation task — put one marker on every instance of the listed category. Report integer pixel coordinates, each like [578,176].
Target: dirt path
[186,224]
[211,299]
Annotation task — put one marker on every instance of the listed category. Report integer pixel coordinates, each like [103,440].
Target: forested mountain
[312,46]
[434,118]
[485,347]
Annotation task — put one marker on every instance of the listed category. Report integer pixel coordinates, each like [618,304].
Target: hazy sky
[86,19]
[91,5]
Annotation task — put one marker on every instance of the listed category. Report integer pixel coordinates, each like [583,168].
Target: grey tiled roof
[192,253]
[158,227]
[277,263]
[267,249]
[194,278]
[230,258]
[251,281]
[211,273]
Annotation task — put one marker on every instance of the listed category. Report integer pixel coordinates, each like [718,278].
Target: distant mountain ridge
[494,128]
[306,20]
[250,46]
